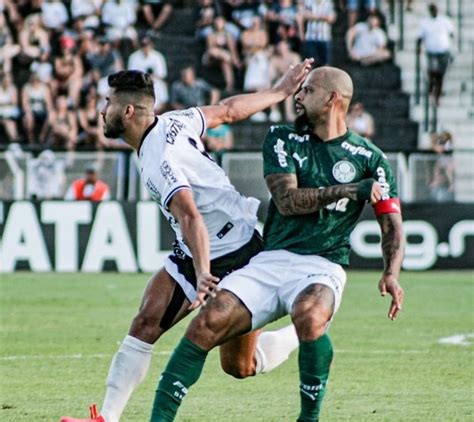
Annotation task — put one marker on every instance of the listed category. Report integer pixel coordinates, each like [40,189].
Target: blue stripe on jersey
[176,189]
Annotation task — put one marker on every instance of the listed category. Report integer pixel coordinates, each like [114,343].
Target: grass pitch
[59,333]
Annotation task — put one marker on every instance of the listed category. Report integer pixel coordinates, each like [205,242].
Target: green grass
[59,332]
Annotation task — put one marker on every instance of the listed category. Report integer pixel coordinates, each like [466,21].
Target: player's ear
[129,111]
[334,98]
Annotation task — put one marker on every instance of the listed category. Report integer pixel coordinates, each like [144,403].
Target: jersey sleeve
[191,117]
[276,154]
[382,172]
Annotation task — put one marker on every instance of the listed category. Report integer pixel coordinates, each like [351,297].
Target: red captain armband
[388,206]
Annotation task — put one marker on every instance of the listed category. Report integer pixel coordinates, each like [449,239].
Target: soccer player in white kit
[213,223]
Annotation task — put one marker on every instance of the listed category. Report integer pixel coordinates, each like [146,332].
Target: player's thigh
[163,305]
[238,355]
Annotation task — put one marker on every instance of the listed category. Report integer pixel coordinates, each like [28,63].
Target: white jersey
[172,158]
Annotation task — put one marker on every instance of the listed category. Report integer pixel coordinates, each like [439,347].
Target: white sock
[274,348]
[127,370]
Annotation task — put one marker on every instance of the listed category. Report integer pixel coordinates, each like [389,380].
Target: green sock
[314,361]
[182,371]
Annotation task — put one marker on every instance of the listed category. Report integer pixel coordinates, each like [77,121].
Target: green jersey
[318,164]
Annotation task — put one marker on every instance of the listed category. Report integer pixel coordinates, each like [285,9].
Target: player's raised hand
[389,284]
[206,286]
[376,194]
[294,77]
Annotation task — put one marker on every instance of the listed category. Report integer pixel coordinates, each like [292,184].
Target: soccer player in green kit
[320,176]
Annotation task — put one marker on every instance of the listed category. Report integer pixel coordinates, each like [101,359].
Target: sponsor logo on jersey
[281,153]
[344,171]
[382,179]
[299,159]
[298,138]
[167,173]
[155,194]
[173,130]
[356,150]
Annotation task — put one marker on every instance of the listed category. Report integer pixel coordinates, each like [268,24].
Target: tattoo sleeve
[291,200]
[393,242]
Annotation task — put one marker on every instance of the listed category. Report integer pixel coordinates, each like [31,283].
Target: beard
[302,123]
[114,127]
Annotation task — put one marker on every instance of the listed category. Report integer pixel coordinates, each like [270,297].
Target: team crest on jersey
[344,171]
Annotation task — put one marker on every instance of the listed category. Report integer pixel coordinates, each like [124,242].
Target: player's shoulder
[188,113]
[286,133]
[359,145]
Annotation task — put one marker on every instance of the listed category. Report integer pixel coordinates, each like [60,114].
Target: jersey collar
[145,134]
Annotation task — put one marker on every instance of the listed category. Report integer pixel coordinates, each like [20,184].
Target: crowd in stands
[55,57]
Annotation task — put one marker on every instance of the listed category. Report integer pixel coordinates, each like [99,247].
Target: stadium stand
[387,90]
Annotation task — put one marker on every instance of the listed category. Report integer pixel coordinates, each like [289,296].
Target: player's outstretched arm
[393,244]
[291,200]
[194,231]
[240,107]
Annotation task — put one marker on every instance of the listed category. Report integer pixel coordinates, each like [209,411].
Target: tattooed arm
[393,244]
[291,200]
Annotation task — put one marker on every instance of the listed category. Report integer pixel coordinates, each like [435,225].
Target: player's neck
[331,129]
[134,133]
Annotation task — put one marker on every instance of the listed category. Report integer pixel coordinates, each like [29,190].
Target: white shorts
[270,282]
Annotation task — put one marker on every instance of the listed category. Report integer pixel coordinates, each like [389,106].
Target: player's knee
[238,368]
[146,327]
[310,325]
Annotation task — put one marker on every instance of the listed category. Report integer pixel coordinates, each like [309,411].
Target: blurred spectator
[203,17]
[46,177]
[90,127]
[37,106]
[9,8]
[436,32]
[8,49]
[43,67]
[68,72]
[244,12]
[280,62]
[222,50]
[54,15]
[360,121]
[409,5]
[89,10]
[62,125]
[318,16]
[33,38]
[155,12]
[191,91]
[442,182]
[254,49]
[282,18]
[103,60]
[367,42]
[119,17]
[204,14]
[353,7]
[151,61]
[89,188]
[219,140]
[9,111]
